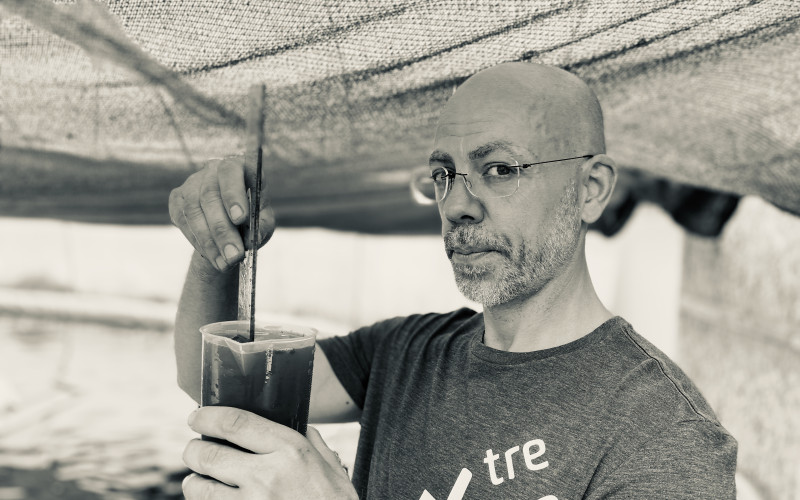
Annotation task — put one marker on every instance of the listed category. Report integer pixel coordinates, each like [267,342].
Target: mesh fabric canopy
[108,105]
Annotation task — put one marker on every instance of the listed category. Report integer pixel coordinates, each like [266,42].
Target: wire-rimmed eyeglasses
[493,180]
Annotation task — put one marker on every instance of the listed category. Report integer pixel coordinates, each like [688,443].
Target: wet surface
[90,410]
[90,407]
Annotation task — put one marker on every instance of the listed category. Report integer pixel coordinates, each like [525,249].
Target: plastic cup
[270,377]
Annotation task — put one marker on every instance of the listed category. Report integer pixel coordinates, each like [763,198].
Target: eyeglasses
[494,180]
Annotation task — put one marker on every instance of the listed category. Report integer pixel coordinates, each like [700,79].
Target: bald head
[559,112]
[507,245]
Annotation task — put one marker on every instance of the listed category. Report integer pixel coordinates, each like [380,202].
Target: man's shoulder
[691,459]
[651,388]
[421,328]
[655,413]
[391,336]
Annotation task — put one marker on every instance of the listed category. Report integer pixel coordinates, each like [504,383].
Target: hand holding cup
[279,463]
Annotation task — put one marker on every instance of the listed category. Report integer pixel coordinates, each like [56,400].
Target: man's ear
[599,175]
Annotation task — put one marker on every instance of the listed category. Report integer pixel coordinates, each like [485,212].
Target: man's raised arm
[208,296]
[207,209]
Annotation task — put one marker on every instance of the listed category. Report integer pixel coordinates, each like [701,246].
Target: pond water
[91,410]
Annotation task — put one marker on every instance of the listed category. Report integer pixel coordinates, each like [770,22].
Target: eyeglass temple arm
[526,165]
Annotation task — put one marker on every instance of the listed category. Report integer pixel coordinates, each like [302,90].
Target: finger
[266,225]
[223,232]
[178,218]
[191,221]
[233,191]
[196,487]
[330,456]
[244,429]
[200,234]
[177,207]
[249,162]
[218,461]
[175,204]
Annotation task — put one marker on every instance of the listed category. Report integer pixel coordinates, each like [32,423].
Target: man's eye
[439,175]
[498,170]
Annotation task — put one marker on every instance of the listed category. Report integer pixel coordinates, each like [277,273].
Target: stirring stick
[252,158]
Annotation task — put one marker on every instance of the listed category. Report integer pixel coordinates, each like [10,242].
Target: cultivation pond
[92,410]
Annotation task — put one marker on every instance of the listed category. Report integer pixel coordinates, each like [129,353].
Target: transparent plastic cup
[270,377]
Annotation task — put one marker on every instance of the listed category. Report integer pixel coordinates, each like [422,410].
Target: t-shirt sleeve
[697,460]
[351,356]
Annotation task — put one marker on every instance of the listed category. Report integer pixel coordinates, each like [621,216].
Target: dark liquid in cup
[275,384]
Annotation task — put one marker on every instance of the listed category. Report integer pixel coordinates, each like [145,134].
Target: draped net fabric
[119,101]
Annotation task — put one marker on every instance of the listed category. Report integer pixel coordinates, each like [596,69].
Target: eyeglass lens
[496,181]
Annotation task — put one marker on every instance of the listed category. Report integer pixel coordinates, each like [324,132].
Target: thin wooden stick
[252,158]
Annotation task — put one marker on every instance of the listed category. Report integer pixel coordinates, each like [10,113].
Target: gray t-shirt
[606,416]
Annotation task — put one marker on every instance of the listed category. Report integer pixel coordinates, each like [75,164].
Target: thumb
[266,227]
[330,456]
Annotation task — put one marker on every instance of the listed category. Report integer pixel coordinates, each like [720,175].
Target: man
[545,395]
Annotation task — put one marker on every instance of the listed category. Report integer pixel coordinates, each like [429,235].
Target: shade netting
[107,105]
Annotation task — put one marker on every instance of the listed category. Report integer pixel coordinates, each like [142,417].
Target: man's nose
[460,206]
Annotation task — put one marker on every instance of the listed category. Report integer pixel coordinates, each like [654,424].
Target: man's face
[505,249]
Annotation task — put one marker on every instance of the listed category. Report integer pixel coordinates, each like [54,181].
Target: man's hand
[283,465]
[210,204]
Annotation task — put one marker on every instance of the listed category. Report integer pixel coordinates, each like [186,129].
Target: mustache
[472,236]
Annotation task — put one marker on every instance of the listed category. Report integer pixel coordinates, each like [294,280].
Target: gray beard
[523,271]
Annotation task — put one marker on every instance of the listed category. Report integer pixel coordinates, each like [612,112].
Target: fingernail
[231,252]
[191,417]
[236,212]
[220,262]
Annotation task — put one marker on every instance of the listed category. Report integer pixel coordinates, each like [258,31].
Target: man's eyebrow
[490,147]
[439,156]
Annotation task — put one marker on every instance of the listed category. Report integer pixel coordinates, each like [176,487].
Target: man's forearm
[208,296]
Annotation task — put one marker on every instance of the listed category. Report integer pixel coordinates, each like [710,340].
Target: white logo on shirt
[458,489]
[526,452]
[464,478]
